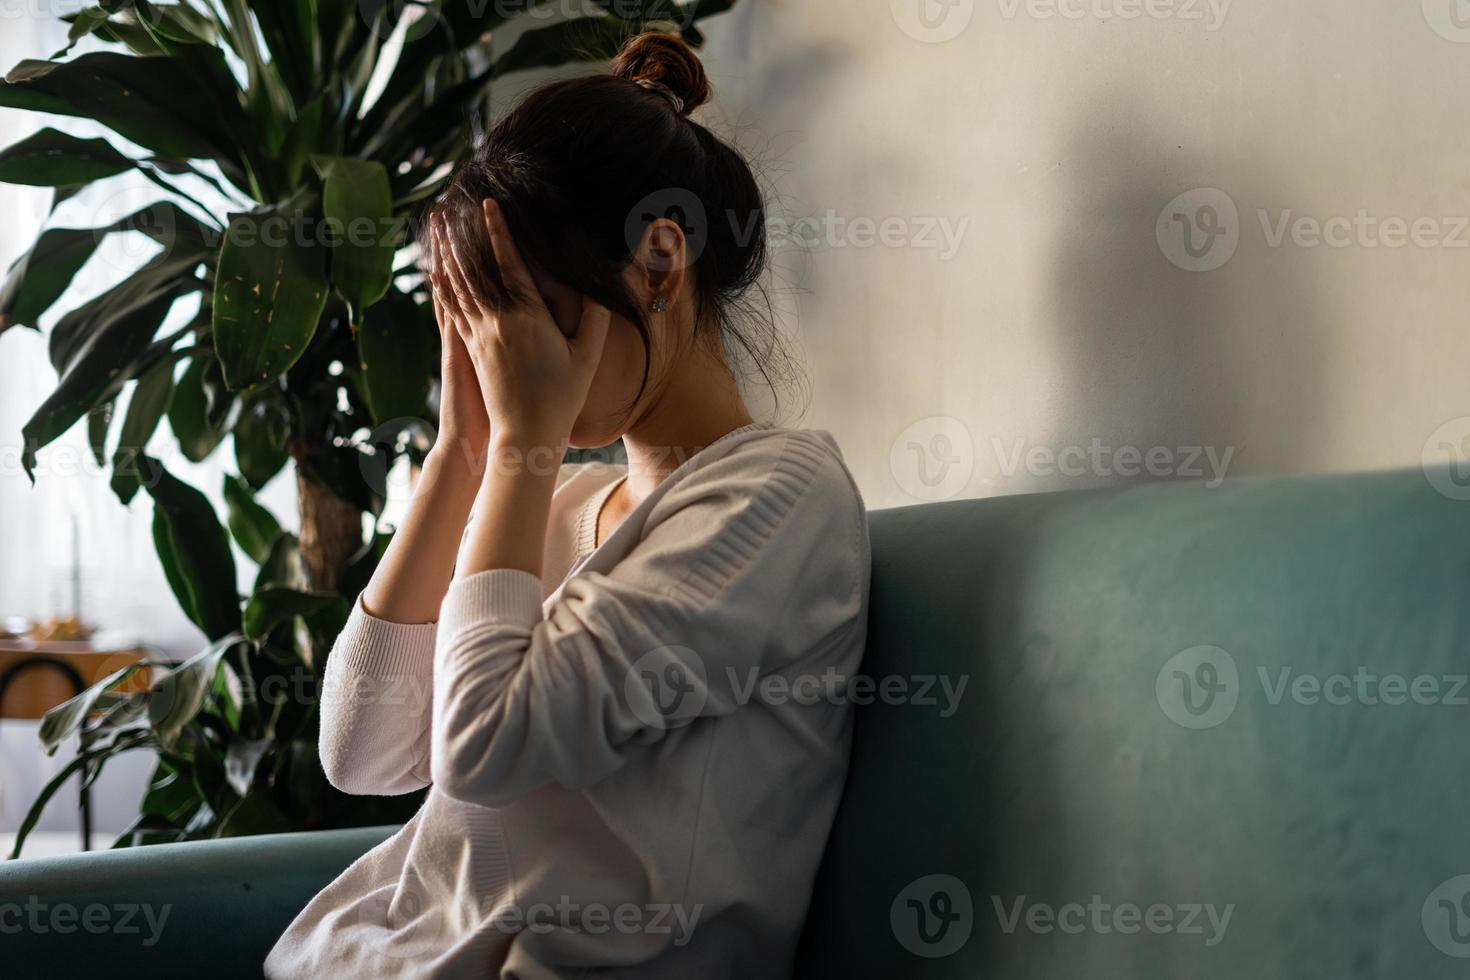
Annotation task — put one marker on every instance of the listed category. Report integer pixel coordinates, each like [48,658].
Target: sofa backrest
[1210,733]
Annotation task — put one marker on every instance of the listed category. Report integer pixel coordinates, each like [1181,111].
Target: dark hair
[581,167]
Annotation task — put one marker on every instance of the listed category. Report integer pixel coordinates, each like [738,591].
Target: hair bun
[657,60]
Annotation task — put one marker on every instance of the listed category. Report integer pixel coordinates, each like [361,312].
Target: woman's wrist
[521,451]
[454,466]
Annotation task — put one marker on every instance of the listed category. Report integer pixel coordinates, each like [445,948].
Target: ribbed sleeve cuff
[372,647]
[499,597]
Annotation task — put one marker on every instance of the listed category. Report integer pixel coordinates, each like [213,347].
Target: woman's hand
[533,378]
[464,427]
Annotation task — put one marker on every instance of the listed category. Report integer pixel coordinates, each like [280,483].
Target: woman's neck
[692,411]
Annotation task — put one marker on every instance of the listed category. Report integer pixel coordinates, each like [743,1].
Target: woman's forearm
[415,571]
[508,529]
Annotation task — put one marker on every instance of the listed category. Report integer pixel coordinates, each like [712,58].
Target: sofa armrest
[207,908]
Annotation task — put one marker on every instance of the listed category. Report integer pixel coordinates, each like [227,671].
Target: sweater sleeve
[743,570]
[375,706]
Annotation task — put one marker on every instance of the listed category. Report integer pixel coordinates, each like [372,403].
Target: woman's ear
[664,256]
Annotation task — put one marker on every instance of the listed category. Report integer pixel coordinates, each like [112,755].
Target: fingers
[466,301]
[591,334]
[517,278]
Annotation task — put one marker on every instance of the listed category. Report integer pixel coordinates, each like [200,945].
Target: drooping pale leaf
[106,360]
[270,608]
[177,696]
[145,409]
[359,209]
[83,23]
[193,544]
[399,353]
[51,158]
[62,721]
[253,527]
[241,758]
[270,291]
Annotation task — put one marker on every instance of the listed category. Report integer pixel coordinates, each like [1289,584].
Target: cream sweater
[634,764]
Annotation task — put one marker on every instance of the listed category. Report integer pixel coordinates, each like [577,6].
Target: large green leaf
[284,567]
[105,361]
[271,607]
[252,525]
[269,293]
[155,102]
[145,409]
[365,237]
[38,278]
[399,352]
[51,158]
[188,413]
[260,438]
[167,274]
[195,551]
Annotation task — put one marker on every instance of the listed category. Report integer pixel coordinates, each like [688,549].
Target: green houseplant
[322,129]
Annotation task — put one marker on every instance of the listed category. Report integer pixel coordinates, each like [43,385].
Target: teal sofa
[1209,733]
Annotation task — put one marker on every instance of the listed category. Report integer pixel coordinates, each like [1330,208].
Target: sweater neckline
[592,510]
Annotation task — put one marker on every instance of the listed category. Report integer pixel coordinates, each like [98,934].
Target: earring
[660,304]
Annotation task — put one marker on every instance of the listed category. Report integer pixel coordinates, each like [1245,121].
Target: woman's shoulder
[781,489]
[771,461]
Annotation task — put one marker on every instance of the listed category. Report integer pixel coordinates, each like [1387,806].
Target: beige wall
[1054,144]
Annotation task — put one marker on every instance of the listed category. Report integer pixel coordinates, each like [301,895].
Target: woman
[622,685]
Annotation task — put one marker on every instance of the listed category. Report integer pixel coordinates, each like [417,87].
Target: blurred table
[36,676]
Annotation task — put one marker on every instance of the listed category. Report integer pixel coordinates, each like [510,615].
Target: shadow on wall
[1172,346]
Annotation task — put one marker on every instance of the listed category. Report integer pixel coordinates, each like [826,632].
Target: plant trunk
[331,531]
